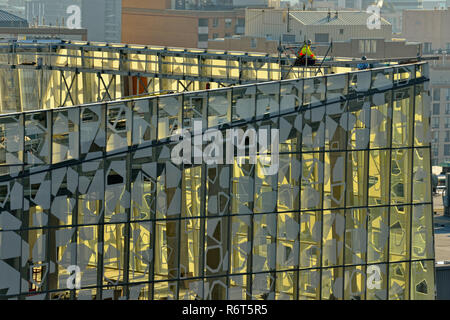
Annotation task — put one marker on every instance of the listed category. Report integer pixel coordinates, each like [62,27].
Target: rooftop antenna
[288,18]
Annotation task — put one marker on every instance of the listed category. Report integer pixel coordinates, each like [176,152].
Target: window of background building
[437,94]
[435,135]
[367,46]
[341,31]
[203,37]
[289,38]
[373,46]
[254,43]
[240,26]
[322,37]
[447,96]
[435,151]
[447,108]
[215,22]
[228,23]
[436,109]
[447,136]
[446,149]
[227,35]
[427,47]
[215,35]
[447,122]
[435,122]
[202,22]
[435,147]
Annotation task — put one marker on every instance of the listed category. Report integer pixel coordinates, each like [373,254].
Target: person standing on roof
[305,55]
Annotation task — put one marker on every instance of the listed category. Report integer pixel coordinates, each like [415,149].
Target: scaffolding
[51,74]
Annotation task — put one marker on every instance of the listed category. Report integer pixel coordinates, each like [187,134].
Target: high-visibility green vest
[306,50]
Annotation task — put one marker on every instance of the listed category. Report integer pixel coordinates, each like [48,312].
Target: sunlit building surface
[348,215]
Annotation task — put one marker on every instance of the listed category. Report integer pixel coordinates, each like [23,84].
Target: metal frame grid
[73,73]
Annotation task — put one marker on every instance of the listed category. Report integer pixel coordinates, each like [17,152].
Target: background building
[254,3]
[355,48]
[155,23]
[435,4]
[43,33]
[440,121]
[392,11]
[8,20]
[102,18]
[429,27]
[319,26]
[16,7]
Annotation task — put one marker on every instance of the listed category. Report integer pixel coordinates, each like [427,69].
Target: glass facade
[348,215]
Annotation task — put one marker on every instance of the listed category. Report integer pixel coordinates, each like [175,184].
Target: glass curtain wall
[347,215]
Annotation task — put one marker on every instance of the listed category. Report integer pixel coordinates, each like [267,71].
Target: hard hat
[364,58]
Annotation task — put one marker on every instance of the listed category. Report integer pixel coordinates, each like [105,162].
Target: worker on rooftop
[305,56]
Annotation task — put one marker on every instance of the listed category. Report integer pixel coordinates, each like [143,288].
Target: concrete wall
[44,33]
[260,23]
[276,23]
[250,3]
[159,29]
[152,4]
[246,44]
[427,26]
[176,28]
[345,32]
[384,49]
